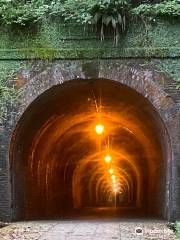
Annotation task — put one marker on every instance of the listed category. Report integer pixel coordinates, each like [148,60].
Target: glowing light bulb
[113,177]
[107,158]
[114,180]
[99,129]
[111,171]
[115,190]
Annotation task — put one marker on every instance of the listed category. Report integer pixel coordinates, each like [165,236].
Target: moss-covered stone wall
[59,40]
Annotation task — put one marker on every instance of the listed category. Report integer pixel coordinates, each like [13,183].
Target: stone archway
[142,80]
[57,163]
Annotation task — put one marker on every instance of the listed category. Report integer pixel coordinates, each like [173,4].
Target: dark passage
[95,148]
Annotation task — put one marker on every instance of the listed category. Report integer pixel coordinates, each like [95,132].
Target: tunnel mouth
[89,148]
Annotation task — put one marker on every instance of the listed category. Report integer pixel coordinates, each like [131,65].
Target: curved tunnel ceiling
[61,157]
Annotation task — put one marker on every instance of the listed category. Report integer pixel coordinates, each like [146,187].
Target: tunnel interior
[89,144]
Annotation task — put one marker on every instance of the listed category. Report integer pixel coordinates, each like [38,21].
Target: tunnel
[89,147]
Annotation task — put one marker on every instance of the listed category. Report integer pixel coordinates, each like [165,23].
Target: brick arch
[42,76]
[143,80]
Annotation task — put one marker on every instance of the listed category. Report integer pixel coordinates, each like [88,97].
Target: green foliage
[22,12]
[170,8]
[104,13]
[56,7]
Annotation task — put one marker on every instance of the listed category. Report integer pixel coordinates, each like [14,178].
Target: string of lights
[100,130]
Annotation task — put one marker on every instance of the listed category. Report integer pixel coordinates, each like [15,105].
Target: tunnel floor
[88,230]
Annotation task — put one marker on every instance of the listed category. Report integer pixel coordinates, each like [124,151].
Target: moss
[9,93]
[87,53]
[170,67]
[55,39]
[46,54]
[58,35]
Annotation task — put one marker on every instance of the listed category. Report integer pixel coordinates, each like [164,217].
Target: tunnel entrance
[89,146]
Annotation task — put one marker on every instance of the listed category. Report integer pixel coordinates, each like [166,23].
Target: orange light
[107,158]
[115,190]
[111,171]
[99,129]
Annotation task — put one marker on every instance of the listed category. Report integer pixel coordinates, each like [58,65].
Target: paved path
[87,230]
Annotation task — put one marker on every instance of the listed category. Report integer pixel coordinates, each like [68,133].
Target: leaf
[102,32]
[107,20]
[97,16]
[124,23]
[119,18]
[114,23]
